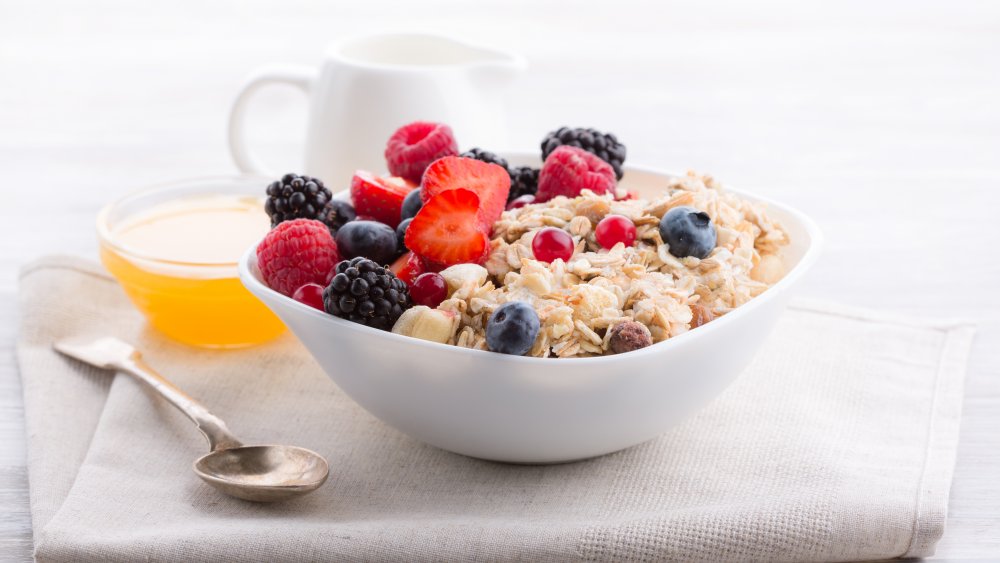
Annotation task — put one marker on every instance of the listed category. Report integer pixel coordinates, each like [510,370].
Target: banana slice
[404,324]
[426,324]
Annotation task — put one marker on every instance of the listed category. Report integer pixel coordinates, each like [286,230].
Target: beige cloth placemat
[838,443]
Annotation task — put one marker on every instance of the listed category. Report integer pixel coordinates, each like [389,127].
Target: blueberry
[689,232]
[370,239]
[411,204]
[401,235]
[512,328]
[336,214]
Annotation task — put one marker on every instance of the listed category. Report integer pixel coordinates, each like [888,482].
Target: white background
[882,120]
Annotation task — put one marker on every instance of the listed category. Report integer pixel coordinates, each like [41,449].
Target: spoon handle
[215,430]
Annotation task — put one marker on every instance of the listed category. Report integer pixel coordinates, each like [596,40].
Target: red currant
[521,202]
[614,229]
[551,243]
[311,294]
[429,289]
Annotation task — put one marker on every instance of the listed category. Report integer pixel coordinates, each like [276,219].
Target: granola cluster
[579,301]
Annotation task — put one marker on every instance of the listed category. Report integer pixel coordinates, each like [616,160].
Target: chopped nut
[700,315]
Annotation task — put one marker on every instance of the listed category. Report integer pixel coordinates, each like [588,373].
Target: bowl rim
[248,263]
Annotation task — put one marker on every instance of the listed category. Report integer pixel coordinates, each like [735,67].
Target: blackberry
[485,156]
[523,181]
[604,145]
[295,197]
[337,213]
[366,293]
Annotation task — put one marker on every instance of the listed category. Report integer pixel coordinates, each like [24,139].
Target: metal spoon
[255,473]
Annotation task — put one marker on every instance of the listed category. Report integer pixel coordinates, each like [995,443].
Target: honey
[176,259]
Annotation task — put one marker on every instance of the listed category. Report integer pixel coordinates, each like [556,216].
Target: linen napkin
[838,443]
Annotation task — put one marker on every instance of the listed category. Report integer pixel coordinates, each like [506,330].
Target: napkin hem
[933,493]
[944,420]
[76,264]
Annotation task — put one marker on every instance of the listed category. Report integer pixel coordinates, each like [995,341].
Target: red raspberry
[295,253]
[412,148]
[569,170]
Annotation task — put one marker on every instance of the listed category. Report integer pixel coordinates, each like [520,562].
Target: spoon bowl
[255,473]
[263,473]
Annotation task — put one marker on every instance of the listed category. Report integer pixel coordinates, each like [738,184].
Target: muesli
[556,262]
[579,300]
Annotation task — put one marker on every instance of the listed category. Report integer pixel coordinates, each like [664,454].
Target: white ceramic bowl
[543,410]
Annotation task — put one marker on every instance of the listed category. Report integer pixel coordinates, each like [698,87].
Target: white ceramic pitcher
[369,86]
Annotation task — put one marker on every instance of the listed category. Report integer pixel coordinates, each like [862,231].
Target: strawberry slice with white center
[448,229]
[378,198]
[489,181]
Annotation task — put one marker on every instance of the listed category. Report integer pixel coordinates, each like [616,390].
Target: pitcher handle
[301,77]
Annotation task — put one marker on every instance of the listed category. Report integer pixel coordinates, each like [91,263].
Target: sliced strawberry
[379,198]
[408,266]
[399,264]
[432,266]
[489,181]
[447,229]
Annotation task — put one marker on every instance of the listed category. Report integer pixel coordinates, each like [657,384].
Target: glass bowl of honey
[175,249]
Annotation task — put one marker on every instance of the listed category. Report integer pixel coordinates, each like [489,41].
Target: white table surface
[880,120]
